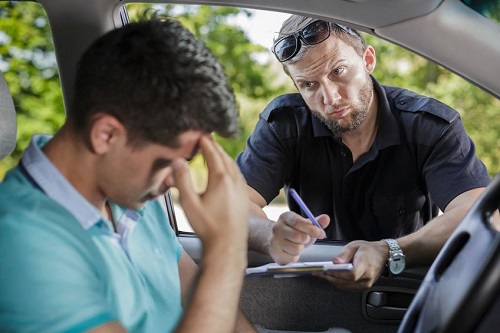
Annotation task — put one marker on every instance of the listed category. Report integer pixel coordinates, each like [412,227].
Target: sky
[263,26]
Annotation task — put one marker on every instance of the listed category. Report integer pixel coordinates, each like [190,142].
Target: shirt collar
[388,128]
[57,187]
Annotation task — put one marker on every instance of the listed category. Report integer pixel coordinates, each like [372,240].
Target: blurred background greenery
[28,63]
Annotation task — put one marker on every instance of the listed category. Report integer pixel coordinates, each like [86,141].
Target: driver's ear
[104,132]
[369,59]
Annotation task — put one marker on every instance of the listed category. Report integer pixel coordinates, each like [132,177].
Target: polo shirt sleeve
[445,154]
[46,268]
[267,161]
[452,166]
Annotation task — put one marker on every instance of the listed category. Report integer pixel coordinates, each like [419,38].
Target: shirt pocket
[399,215]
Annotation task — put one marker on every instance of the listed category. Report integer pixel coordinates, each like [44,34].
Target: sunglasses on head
[315,32]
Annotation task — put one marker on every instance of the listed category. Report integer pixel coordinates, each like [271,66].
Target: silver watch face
[397,263]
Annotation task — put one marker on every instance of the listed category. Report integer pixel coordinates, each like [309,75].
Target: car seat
[8,123]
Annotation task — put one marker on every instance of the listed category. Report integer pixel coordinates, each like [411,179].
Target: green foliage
[478,109]
[228,42]
[28,64]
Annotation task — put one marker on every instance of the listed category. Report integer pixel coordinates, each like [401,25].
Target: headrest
[8,123]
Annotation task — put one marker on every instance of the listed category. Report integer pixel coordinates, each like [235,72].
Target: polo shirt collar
[57,187]
[388,129]
[319,128]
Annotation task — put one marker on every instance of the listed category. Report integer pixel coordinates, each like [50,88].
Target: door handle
[388,304]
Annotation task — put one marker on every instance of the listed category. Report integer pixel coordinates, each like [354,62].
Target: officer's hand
[292,233]
[368,259]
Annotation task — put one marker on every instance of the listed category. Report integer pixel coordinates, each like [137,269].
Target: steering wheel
[462,287]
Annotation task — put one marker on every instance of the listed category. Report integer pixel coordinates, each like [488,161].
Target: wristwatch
[396,261]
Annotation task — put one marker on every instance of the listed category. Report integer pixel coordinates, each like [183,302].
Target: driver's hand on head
[221,212]
[292,233]
[369,260]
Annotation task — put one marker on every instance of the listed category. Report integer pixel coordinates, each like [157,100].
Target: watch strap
[393,246]
[395,253]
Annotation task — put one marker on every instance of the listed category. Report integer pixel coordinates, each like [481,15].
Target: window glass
[487,8]
[237,37]
[241,39]
[28,63]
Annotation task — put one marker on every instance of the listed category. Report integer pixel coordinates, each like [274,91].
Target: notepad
[299,268]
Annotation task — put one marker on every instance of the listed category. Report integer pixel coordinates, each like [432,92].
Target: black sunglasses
[315,32]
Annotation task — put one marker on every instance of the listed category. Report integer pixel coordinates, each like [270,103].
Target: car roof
[446,32]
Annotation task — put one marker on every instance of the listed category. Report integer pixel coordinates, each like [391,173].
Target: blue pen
[304,208]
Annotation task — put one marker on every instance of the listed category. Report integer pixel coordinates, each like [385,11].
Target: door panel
[308,303]
[312,304]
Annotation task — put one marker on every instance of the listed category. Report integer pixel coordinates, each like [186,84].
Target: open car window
[241,38]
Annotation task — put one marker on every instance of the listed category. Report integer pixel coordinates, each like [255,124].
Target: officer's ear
[369,59]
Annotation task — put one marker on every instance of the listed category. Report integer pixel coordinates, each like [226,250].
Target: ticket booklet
[299,268]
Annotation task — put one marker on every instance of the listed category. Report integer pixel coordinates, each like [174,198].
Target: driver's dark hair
[158,80]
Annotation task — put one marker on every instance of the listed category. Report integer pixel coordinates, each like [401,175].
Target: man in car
[83,244]
[374,163]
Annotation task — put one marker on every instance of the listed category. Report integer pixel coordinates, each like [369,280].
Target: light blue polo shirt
[64,269]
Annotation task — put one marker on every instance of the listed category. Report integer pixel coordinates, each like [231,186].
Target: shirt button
[402,211]
[343,153]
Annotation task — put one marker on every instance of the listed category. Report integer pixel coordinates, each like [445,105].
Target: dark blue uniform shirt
[420,160]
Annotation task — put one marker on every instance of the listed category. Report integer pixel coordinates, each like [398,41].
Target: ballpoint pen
[304,208]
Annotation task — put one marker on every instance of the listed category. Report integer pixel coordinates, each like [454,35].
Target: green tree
[28,64]
[228,42]
[478,109]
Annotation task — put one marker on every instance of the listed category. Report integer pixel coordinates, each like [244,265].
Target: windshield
[487,8]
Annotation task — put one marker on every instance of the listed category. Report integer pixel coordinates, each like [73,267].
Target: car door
[298,303]
[309,303]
